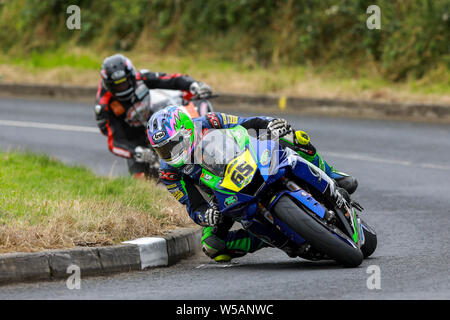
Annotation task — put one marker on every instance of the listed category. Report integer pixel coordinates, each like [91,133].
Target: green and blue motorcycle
[256,178]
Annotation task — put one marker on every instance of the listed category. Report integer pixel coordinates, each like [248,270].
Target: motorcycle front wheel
[318,235]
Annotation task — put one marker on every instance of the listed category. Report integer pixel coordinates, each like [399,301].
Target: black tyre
[316,234]
[370,241]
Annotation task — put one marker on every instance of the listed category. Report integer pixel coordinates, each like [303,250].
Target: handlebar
[212,96]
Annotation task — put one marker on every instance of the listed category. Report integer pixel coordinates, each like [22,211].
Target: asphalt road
[404,184]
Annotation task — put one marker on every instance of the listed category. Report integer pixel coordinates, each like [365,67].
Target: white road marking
[213,266]
[351,156]
[52,126]
[435,166]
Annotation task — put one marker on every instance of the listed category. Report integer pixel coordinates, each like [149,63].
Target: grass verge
[45,204]
[80,66]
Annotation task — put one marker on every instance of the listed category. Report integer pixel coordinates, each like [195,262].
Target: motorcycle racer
[121,114]
[173,135]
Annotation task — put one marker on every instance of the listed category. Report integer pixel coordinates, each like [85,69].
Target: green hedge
[414,36]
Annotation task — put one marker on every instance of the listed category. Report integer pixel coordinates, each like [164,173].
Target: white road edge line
[354,156]
[212,266]
[52,126]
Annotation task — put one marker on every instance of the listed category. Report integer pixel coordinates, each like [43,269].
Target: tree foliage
[414,35]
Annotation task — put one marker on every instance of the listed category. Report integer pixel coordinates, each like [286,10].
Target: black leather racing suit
[124,123]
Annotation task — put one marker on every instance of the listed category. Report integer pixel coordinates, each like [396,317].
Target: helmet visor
[122,86]
[175,148]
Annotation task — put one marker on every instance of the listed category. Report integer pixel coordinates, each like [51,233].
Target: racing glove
[143,154]
[212,216]
[278,128]
[200,89]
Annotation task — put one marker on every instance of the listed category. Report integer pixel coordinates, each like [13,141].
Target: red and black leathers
[118,120]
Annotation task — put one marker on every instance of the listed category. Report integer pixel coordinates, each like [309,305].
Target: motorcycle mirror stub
[141,91]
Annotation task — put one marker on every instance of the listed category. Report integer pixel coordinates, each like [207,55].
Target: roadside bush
[414,36]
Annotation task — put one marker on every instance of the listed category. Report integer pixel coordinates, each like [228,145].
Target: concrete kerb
[133,255]
[226,101]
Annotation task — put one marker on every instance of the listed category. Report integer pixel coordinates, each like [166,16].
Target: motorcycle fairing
[256,157]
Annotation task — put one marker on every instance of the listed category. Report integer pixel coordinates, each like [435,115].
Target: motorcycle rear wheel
[370,242]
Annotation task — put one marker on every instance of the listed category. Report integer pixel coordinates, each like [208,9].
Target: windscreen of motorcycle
[216,149]
[163,98]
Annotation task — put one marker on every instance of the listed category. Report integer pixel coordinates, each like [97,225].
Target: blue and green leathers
[189,184]
[300,142]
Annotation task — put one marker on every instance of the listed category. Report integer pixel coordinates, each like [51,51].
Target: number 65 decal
[241,173]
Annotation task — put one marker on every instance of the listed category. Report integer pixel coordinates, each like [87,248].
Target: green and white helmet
[171,134]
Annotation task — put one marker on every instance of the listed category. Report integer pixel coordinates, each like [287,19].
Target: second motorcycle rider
[119,109]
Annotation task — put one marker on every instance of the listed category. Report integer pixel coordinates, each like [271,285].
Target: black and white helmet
[119,76]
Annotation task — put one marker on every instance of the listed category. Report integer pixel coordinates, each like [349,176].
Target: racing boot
[233,244]
[342,179]
[238,243]
[214,247]
[300,143]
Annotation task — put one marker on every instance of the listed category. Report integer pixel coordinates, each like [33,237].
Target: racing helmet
[119,76]
[171,133]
